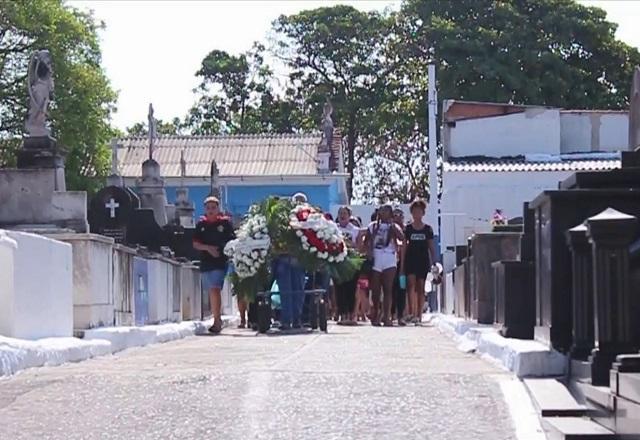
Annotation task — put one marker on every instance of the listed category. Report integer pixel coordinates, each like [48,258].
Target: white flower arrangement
[318,235]
[249,251]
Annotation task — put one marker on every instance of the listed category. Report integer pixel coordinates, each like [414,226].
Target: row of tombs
[126,260]
[55,285]
[569,276]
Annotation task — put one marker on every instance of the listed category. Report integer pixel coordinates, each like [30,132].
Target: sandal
[242,325]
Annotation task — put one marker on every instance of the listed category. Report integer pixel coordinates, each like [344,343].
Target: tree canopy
[84,99]
[372,66]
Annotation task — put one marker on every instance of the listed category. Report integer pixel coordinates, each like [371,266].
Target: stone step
[597,395]
[629,386]
[574,428]
[553,399]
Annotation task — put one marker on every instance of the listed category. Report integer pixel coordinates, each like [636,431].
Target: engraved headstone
[111,212]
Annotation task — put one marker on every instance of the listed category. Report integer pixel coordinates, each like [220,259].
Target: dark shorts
[418,268]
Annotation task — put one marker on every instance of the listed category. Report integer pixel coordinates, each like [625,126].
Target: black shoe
[214,329]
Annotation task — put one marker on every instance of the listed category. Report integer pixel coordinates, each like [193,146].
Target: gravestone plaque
[110,213]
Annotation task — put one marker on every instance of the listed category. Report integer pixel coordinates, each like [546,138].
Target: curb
[19,354]
[525,358]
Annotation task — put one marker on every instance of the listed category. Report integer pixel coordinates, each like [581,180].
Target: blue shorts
[212,279]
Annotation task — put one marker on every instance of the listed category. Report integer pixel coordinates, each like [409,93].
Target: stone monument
[324,149]
[151,185]
[33,196]
[40,150]
[184,207]
[114,179]
[215,181]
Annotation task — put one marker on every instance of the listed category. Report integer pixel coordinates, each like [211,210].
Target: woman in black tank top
[419,254]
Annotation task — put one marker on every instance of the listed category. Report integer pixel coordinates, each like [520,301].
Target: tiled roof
[235,155]
[502,165]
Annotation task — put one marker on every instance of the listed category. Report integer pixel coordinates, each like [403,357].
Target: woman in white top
[382,238]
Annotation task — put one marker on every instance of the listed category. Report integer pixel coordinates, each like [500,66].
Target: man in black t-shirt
[212,234]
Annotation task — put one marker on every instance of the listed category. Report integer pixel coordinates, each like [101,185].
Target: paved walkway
[353,383]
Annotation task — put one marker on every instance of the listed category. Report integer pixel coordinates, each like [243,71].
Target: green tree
[544,52]
[83,100]
[237,96]
[337,53]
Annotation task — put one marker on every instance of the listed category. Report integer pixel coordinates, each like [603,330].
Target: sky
[152,49]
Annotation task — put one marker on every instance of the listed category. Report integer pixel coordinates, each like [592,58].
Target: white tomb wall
[7,254]
[159,291]
[93,304]
[42,294]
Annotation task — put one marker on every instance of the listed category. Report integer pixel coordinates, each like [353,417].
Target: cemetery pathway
[353,383]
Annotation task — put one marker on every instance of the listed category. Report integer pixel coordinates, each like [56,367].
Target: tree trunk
[351,152]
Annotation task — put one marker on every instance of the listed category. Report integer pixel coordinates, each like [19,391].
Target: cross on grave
[111,206]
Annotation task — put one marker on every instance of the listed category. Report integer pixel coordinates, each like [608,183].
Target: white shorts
[383,260]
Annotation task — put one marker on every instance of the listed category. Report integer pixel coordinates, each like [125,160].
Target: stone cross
[114,157]
[183,167]
[215,173]
[152,130]
[112,206]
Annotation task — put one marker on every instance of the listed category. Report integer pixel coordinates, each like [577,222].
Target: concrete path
[353,383]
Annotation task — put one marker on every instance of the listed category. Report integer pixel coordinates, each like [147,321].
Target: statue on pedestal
[39,149]
[327,125]
[40,93]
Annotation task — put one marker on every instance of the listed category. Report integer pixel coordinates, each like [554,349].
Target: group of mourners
[389,289]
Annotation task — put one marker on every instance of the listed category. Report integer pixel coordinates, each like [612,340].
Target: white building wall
[594,131]
[614,132]
[536,130]
[470,198]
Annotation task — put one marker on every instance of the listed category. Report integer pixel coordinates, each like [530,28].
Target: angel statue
[40,92]
[327,124]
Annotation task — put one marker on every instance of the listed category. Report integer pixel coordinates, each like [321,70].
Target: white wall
[537,130]
[477,195]
[41,302]
[8,248]
[159,291]
[594,131]
[93,304]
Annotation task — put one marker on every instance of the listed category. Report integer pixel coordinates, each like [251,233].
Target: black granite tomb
[582,292]
[555,213]
[514,298]
[111,212]
[616,308]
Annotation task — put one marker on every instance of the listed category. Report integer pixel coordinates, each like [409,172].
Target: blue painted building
[251,167]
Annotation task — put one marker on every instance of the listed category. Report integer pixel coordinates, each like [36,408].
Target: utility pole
[433,214]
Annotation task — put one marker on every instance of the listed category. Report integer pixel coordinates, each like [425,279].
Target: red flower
[303,214]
